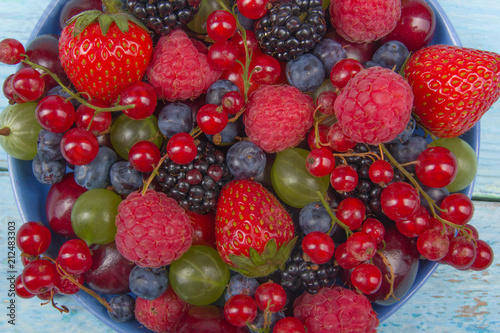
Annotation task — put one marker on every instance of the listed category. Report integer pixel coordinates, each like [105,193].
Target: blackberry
[196,185]
[163,16]
[290,29]
[301,273]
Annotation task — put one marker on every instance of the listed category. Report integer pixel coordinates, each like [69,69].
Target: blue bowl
[30,194]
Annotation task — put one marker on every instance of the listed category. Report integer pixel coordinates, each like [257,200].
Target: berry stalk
[334,218]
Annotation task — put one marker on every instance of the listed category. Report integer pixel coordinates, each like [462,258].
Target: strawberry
[102,53]
[453,87]
[254,233]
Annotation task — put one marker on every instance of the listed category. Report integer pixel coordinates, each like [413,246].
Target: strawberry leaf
[105,21]
[270,250]
[121,21]
[83,20]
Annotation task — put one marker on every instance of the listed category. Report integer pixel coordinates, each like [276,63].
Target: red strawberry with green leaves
[104,52]
[254,233]
[453,87]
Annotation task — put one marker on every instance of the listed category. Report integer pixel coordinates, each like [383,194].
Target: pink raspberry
[178,70]
[278,117]
[161,314]
[364,21]
[335,309]
[152,229]
[375,106]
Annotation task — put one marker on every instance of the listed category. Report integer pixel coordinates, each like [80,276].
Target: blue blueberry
[218,89]
[175,118]
[96,173]
[123,308]
[436,194]
[48,171]
[258,322]
[48,145]
[329,52]
[124,178]
[148,283]
[306,72]
[314,217]
[229,133]
[407,132]
[391,55]
[240,284]
[245,160]
[58,91]
[408,151]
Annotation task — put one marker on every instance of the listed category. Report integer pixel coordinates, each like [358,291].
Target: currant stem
[77,96]
[153,174]
[333,217]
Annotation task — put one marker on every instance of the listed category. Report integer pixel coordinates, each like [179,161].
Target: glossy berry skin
[433,244]
[123,308]
[351,211]
[289,325]
[148,283]
[222,55]
[416,224]
[240,310]
[318,246]
[458,208]
[344,178]
[144,156]
[181,148]
[484,256]
[10,51]
[320,162]
[33,238]
[253,9]
[399,200]
[436,167]
[20,290]
[265,69]
[361,246]
[85,117]
[343,71]
[221,25]
[337,140]
[313,143]
[245,160]
[74,256]
[314,217]
[270,296]
[232,102]
[79,146]
[461,253]
[344,258]
[39,276]
[55,114]
[143,96]
[374,228]
[211,119]
[9,92]
[367,278]
[381,171]
[28,84]
[65,286]
[325,102]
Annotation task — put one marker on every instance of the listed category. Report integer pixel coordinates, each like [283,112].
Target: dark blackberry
[301,273]
[163,16]
[290,29]
[196,185]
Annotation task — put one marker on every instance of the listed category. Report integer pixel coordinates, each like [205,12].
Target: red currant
[74,256]
[325,102]
[344,178]
[289,325]
[367,278]
[381,171]
[79,146]
[86,118]
[374,228]
[351,211]
[436,167]
[144,156]
[252,44]
[320,162]
[143,96]
[222,55]
[10,51]
[55,114]
[270,296]
[20,290]
[433,244]
[264,69]
[181,148]
[39,276]
[253,9]
[9,92]
[318,246]
[240,310]
[416,224]
[337,139]
[461,253]
[344,258]
[65,286]
[457,208]
[233,102]
[484,256]
[322,135]
[33,238]
[343,71]
[399,201]
[221,25]
[28,84]
[211,119]
[361,245]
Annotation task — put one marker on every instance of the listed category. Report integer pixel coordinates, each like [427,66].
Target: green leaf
[270,250]
[105,21]
[84,19]
[241,262]
[121,21]
[255,257]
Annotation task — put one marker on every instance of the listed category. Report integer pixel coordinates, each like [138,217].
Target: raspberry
[375,106]
[278,117]
[364,21]
[335,309]
[152,230]
[161,314]
[177,70]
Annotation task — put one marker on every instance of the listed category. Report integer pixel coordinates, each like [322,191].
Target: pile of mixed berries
[248,165]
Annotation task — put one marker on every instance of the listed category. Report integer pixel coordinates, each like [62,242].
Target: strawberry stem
[112,6]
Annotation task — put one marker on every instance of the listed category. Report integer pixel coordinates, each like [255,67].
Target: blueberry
[48,145]
[314,217]
[175,118]
[245,160]
[259,320]
[407,132]
[229,133]
[148,283]
[96,173]
[329,52]
[391,55]
[124,178]
[58,90]
[436,194]
[240,284]
[123,308]
[48,171]
[218,89]
[306,73]
[408,151]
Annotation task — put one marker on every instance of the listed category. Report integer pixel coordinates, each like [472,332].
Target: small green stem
[153,174]
[77,96]
[334,218]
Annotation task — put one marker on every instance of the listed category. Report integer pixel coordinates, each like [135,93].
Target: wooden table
[451,301]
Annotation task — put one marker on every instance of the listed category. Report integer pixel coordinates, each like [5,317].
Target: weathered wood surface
[451,301]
